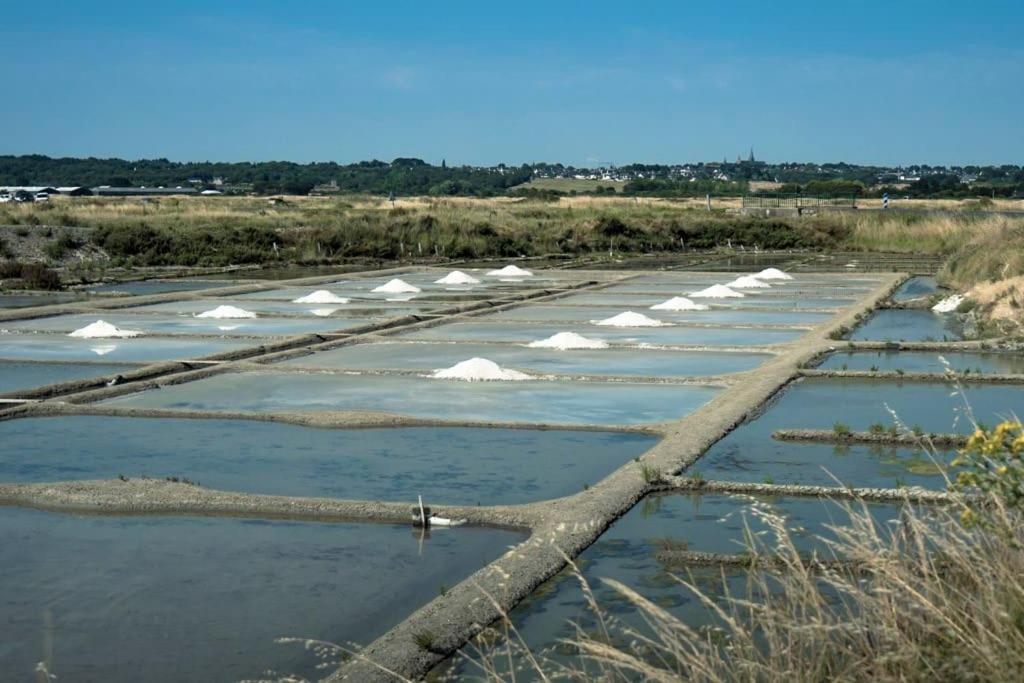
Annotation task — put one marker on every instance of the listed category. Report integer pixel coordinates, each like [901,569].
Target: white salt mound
[323,312]
[479,370]
[397,286]
[321,296]
[717,292]
[457,277]
[564,341]
[949,304]
[227,313]
[748,282]
[510,271]
[679,303]
[103,330]
[629,319]
[773,274]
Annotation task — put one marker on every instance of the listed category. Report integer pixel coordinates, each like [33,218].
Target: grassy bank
[240,230]
[220,231]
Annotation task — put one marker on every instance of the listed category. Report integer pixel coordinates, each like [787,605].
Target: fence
[796,201]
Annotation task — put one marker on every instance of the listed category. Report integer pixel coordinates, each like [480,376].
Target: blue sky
[577,82]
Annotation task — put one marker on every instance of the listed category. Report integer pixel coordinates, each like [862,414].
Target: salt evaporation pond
[916,288]
[641,301]
[541,312]
[671,334]
[628,551]
[750,454]
[445,465]
[31,300]
[908,325]
[682,278]
[144,287]
[188,324]
[362,295]
[190,599]
[360,309]
[820,402]
[535,401]
[141,349]
[427,356]
[926,361]
[16,376]
[776,289]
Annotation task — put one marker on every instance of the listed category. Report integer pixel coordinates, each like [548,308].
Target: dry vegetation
[936,596]
[214,231]
[928,600]
[218,231]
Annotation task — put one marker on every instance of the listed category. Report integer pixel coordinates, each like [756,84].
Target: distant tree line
[938,186]
[410,176]
[403,176]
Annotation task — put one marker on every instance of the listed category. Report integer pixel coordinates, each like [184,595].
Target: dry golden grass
[925,600]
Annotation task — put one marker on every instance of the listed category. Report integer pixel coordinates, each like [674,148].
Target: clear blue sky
[577,82]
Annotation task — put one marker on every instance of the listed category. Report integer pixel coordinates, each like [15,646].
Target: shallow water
[142,349]
[777,290]
[188,599]
[750,454]
[908,325]
[609,298]
[724,316]
[627,552]
[427,356]
[360,293]
[530,401]
[16,376]
[749,262]
[376,309]
[292,272]
[934,406]
[445,465]
[925,361]
[525,333]
[188,324]
[144,287]
[916,288]
[29,300]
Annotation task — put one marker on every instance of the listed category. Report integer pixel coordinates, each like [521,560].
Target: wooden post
[708,198]
[421,514]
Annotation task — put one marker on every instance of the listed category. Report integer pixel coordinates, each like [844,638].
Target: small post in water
[421,515]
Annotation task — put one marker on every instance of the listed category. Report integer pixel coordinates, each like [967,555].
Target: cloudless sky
[577,82]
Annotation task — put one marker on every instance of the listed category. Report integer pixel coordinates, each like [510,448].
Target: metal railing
[796,201]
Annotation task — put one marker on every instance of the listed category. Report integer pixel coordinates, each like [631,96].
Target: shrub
[59,247]
[992,462]
[32,275]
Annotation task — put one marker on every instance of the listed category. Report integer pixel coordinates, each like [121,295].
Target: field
[571,184]
[92,236]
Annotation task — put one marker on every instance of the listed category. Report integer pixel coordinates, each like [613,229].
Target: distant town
[36,177]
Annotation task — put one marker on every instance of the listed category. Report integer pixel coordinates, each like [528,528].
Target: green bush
[217,246]
[59,247]
[992,462]
[32,275]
